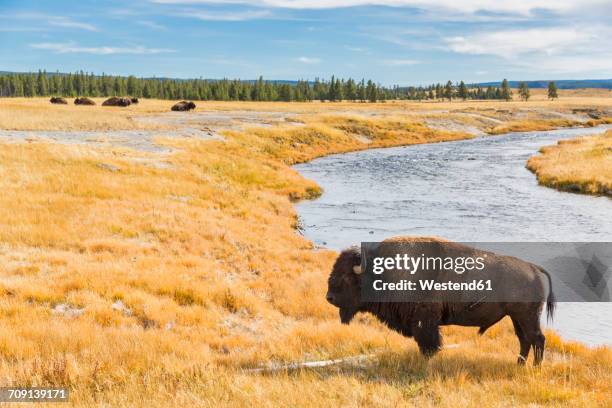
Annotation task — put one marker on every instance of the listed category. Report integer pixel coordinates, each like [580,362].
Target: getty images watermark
[433,270]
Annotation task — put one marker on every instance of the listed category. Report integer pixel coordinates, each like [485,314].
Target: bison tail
[550,302]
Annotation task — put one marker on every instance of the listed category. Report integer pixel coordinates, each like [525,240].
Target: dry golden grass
[39,114]
[582,165]
[152,287]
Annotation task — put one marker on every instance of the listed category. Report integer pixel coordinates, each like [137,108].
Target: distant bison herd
[121,101]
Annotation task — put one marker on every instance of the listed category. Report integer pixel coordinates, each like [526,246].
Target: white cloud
[400,62]
[151,24]
[356,49]
[308,60]
[226,15]
[515,42]
[464,6]
[54,21]
[72,48]
[68,23]
[553,49]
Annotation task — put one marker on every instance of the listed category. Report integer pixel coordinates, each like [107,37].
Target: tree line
[334,89]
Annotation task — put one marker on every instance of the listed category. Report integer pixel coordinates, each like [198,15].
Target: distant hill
[561,83]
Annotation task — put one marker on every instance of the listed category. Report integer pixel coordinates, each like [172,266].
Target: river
[475,190]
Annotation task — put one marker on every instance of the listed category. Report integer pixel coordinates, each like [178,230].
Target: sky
[403,42]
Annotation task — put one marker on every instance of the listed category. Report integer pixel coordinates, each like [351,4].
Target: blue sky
[402,42]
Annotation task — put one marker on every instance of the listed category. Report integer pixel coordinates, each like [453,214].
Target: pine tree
[363,94]
[552,90]
[350,90]
[524,91]
[506,92]
[371,91]
[463,91]
[448,91]
[42,88]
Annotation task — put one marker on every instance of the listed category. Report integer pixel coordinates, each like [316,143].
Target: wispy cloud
[51,20]
[226,15]
[72,48]
[356,49]
[68,23]
[13,29]
[151,24]
[308,60]
[550,49]
[400,62]
[524,7]
[509,43]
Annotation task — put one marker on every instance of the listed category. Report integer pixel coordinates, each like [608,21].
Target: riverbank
[157,285]
[582,165]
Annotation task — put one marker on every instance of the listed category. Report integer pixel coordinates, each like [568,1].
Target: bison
[58,100]
[422,319]
[134,100]
[116,101]
[183,106]
[83,101]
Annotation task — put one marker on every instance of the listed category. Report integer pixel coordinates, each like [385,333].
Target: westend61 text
[429,284]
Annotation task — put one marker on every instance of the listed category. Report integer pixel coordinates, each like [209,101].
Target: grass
[212,278]
[582,165]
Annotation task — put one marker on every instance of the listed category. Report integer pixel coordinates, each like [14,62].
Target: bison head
[344,284]
[191,105]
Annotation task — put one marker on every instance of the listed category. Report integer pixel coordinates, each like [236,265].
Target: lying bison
[183,106]
[116,101]
[84,101]
[421,320]
[58,100]
[134,100]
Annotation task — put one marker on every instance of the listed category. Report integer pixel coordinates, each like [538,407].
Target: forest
[335,89]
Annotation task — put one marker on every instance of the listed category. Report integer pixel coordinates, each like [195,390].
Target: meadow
[142,278]
[582,165]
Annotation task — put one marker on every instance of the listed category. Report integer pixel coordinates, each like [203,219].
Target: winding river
[475,190]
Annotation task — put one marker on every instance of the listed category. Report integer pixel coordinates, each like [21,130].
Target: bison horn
[357,269]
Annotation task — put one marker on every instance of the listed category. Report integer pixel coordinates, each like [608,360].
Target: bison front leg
[426,330]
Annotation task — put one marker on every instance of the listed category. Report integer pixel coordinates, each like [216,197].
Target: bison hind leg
[525,345]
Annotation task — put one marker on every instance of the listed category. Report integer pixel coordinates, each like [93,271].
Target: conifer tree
[524,91]
[505,92]
[463,91]
[448,91]
[552,90]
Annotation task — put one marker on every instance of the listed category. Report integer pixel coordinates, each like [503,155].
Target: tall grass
[582,165]
[159,286]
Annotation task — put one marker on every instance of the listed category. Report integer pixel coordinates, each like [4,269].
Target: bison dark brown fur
[183,106]
[84,101]
[422,320]
[58,100]
[116,101]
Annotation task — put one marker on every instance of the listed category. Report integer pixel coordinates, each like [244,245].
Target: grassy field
[582,165]
[139,285]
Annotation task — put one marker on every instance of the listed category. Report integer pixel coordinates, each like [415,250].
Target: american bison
[58,100]
[84,101]
[183,106]
[116,101]
[134,100]
[421,319]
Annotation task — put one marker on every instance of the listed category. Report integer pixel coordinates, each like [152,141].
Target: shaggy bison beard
[347,314]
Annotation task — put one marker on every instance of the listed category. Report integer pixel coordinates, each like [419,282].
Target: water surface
[471,190]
